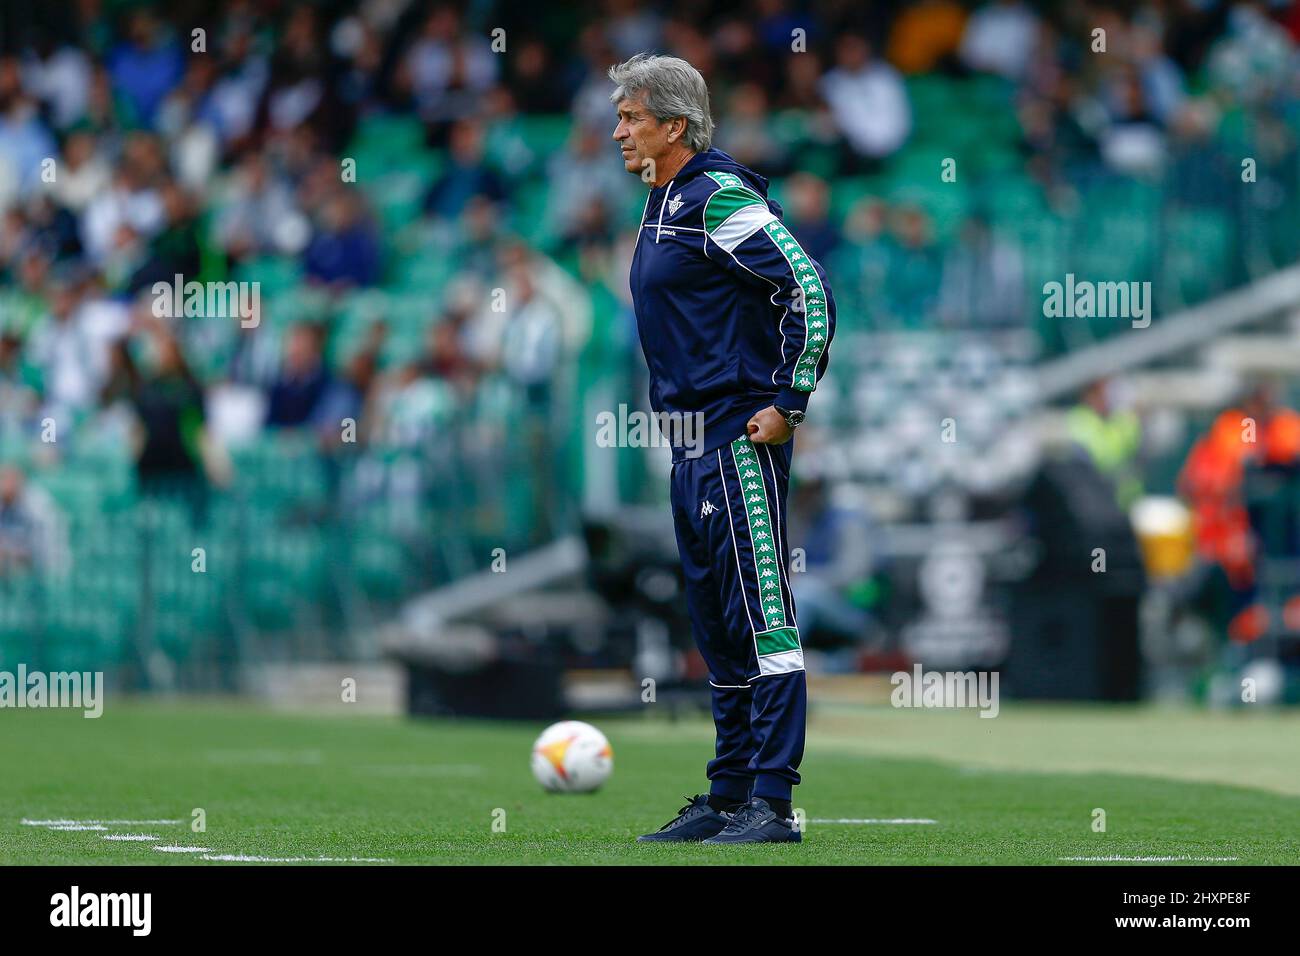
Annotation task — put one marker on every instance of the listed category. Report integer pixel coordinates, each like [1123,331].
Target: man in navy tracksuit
[735,320]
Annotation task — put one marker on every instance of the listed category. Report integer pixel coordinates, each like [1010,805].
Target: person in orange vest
[1260,431]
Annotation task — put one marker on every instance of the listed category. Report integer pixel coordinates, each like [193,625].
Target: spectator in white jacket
[867,99]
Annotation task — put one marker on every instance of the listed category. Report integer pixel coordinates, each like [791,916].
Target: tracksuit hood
[715,160]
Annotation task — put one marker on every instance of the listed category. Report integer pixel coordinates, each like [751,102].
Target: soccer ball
[572,757]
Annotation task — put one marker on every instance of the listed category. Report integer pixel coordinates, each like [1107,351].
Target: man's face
[300,350]
[11,483]
[642,138]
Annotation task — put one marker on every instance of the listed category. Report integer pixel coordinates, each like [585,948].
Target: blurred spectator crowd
[479,239]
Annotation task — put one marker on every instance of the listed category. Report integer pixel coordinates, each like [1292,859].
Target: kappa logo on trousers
[706,508]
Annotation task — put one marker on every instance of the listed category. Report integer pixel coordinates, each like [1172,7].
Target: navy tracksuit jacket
[734,317]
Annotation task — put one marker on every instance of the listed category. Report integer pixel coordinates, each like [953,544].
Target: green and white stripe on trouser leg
[729,513]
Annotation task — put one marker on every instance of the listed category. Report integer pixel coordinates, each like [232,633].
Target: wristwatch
[792,418]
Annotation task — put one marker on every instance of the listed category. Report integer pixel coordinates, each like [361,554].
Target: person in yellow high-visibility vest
[1111,437]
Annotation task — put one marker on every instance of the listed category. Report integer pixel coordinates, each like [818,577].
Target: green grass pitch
[1018,789]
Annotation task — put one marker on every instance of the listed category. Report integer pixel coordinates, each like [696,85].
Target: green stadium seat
[546,135]
[276,274]
[1197,246]
[396,133]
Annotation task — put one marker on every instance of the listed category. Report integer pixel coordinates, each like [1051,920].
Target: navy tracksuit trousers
[729,509]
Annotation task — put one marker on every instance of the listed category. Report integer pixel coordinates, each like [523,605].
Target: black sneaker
[694,822]
[757,822]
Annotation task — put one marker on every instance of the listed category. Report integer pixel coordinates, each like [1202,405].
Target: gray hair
[668,87]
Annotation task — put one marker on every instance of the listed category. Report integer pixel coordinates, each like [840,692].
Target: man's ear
[676,130]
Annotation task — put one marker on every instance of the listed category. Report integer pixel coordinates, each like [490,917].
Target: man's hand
[768,427]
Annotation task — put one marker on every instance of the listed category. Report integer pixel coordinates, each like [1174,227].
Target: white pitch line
[76,826]
[1147,859]
[245,858]
[182,849]
[877,820]
[111,823]
[136,837]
